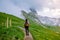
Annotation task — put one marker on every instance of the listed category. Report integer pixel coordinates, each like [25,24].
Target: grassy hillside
[12,32]
[15,20]
[40,33]
[54,28]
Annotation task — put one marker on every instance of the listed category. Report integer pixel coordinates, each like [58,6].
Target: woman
[26,25]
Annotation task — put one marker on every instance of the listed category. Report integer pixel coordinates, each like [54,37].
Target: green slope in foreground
[40,33]
[37,31]
[12,32]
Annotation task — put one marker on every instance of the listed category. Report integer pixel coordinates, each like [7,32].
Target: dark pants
[27,30]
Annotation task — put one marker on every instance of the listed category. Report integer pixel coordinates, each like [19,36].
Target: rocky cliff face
[43,20]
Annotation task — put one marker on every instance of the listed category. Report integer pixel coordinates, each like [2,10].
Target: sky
[50,8]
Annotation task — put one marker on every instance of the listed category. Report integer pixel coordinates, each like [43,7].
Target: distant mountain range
[44,19]
[49,21]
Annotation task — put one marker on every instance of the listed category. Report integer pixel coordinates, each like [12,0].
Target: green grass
[37,31]
[40,33]
[12,32]
[54,28]
[15,20]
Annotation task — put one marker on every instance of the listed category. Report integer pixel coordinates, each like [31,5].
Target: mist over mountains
[44,19]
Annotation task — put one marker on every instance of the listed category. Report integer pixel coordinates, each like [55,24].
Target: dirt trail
[27,37]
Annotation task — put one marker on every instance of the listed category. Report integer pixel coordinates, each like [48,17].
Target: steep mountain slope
[44,19]
[12,32]
[15,21]
[38,32]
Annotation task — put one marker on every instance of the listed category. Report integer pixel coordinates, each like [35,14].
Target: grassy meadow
[13,32]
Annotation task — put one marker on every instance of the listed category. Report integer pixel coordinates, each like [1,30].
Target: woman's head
[26,20]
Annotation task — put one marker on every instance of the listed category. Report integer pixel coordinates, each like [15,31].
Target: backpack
[26,24]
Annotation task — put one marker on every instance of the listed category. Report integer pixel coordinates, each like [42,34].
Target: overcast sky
[50,8]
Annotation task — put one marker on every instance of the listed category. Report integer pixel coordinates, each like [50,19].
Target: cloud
[49,8]
[8,7]
[50,12]
[37,4]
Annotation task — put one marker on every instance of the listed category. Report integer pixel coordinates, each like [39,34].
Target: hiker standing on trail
[26,25]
